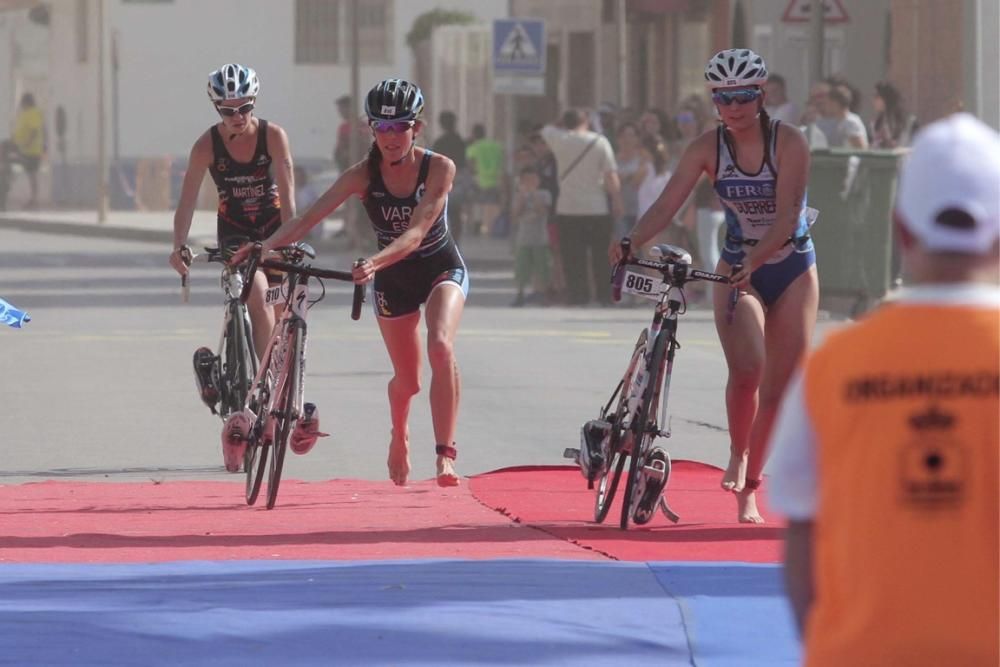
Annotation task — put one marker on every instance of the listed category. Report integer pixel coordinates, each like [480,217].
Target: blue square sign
[519,46]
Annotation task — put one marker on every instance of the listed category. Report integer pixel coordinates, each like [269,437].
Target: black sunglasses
[229,112]
[740,96]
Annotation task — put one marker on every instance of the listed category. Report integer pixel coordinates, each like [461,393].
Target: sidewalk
[157,227]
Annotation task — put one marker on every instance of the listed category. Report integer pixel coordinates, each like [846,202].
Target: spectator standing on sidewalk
[451,145]
[892,125]
[485,156]
[589,201]
[548,173]
[885,450]
[631,172]
[848,130]
[530,214]
[29,140]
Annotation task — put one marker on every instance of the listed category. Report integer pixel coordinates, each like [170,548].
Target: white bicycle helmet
[735,67]
[232,82]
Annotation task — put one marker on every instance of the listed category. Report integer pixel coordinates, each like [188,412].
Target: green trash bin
[854,192]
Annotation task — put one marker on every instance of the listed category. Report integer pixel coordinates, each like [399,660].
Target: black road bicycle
[224,379]
[628,425]
[275,400]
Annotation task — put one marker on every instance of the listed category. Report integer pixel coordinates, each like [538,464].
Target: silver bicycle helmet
[394,99]
[232,82]
[735,67]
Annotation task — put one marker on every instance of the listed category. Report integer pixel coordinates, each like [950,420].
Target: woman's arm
[351,182]
[696,159]
[792,158]
[198,162]
[440,176]
[277,146]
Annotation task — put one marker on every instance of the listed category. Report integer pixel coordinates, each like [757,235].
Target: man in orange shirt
[885,451]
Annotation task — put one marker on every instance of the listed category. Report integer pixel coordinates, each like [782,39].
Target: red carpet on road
[512,513]
[556,500]
[70,522]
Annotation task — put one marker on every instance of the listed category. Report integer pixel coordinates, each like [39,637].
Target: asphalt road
[98,386]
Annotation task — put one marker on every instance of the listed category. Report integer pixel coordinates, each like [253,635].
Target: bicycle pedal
[571,453]
[657,471]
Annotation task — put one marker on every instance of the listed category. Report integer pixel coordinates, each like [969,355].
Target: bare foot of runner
[399,459]
[446,475]
[734,479]
[746,507]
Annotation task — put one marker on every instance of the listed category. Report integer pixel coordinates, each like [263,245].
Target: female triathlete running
[254,198]
[759,168]
[404,189]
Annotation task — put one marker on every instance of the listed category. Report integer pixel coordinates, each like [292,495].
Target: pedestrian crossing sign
[519,46]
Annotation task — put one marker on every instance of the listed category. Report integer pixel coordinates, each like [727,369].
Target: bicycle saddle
[670,253]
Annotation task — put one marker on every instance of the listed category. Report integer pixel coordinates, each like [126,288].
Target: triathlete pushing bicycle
[759,168]
[405,192]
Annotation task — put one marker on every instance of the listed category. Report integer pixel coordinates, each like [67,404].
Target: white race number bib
[273,295]
[642,285]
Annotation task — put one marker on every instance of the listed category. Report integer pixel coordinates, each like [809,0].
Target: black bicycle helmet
[394,99]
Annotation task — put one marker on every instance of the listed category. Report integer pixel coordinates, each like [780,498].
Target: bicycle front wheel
[255,457]
[644,427]
[285,411]
[616,457]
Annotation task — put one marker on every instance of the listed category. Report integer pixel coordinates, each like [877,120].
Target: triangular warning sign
[517,47]
[799,11]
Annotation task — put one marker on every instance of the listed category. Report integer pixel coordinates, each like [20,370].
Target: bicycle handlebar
[668,268]
[255,262]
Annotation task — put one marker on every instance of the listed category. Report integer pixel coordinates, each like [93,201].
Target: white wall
[168,49]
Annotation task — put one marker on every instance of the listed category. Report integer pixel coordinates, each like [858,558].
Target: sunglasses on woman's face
[397,126]
[229,112]
[740,96]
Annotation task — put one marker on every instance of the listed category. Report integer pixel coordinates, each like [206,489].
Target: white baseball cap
[954,167]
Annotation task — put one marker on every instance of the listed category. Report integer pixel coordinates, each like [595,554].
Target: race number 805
[640,285]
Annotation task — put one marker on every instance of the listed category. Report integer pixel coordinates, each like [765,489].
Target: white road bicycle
[275,400]
[628,425]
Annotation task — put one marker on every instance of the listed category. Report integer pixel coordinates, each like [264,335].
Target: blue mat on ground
[427,612]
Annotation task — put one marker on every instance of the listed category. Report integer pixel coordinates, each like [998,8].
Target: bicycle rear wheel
[284,415]
[606,489]
[616,458]
[644,427]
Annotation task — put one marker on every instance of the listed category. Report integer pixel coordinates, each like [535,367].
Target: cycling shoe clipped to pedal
[652,480]
[207,376]
[592,457]
[235,435]
[306,430]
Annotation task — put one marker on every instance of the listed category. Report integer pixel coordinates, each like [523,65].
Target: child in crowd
[530,213]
